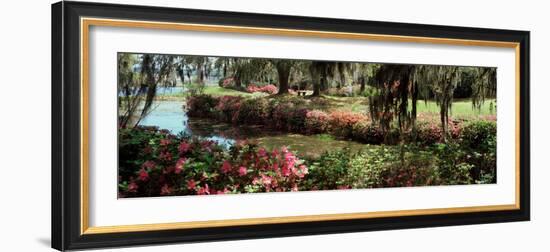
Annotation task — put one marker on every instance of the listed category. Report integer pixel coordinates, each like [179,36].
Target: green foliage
[479,139]
[201,105]
[452,168]
[330,170]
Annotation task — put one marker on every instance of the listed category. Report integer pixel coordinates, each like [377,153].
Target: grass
[459,108]
[360,104]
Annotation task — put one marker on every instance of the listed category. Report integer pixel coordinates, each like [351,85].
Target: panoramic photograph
[206,125]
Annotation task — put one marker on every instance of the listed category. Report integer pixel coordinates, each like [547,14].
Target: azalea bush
[316,122]
[269,89]
[293,114]
[155,163]
[201,105]
[342,122]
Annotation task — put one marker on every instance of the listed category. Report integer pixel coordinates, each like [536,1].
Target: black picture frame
[66,155]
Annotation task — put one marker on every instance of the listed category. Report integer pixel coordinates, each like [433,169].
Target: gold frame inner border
[86,23]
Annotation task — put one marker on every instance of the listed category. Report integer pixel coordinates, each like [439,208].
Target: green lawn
[460,108]
[360,104]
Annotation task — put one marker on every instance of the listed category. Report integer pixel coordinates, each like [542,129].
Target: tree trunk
[283,72]
[443,117]
[317,87]
[237,79]
[362,81]
[200,73]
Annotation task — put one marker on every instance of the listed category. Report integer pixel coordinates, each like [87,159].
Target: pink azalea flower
[143,175]
[132,187]
[148,165]
[242,171]
[294,188]
[285,170]
[262,152]
[164,142]
[290,159]
[256,181]
[203,190]
[191,184]
[266,180]
[184,147]
[275,166]
[165,190]
[226,167]
[302,171]
[180,164]
[148,150]
[167,156]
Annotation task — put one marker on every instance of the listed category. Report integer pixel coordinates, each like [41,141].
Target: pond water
[171,116]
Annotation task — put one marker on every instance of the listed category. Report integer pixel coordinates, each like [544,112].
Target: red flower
[132,187]
[242,171]
[147,150]
[302,171]
[191,184]
[165,190]
[180,164]
[266,180]
[143,175]
[167,156]
[262,152]
[275,166]
[184,147]
[203,190]
[164,142]
[148,165]
[226,167]
[285,170]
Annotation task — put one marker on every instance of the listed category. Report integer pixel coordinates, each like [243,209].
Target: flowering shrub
[201,105]
[292,114]
[269,89]
[252,111]
[428,129]
[366,132]
[156,163]
[341,122]
[279,114]
[226,107]
[227,82]
[316,122]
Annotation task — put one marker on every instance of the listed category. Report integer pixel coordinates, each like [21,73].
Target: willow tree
[246,70]
[322,71]
[395,88]
[441,81]
[484,85]
[364,72]
[128,88]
